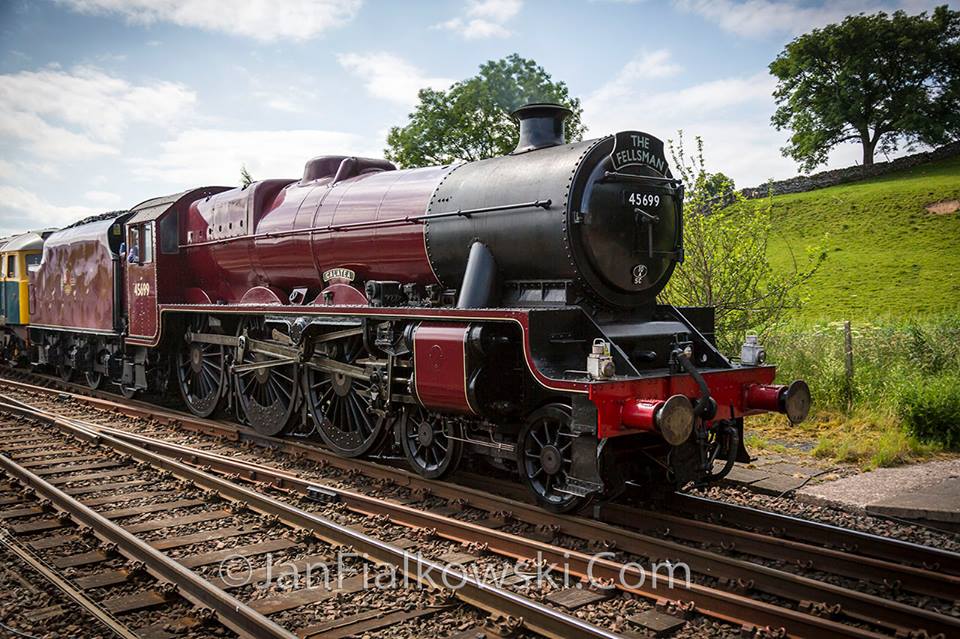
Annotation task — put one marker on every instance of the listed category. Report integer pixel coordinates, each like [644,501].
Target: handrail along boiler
[504,308]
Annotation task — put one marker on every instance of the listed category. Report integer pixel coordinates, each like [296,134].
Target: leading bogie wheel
[545,457]
[200,370]
[432,443]
[268,392]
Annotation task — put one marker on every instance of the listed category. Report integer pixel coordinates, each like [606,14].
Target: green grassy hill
[887,256]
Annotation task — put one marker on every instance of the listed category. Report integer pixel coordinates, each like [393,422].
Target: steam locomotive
[505,309]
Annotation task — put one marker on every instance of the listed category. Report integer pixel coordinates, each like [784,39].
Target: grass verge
[905,373]
[860,438]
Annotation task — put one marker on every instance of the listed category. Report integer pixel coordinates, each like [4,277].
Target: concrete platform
[775,474]
[929,491]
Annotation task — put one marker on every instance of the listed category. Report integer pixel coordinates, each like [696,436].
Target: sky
[106,103]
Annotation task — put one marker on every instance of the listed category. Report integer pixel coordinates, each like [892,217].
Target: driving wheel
[267,387]
[341,399]
[200,371]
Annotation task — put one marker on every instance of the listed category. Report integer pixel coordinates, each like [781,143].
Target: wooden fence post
[848,361]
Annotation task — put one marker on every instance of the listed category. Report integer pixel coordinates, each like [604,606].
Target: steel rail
[230,611]
[882,572]
[827,534]
[856,605]
[589,529]
[799,530]
[64,586]
[859,606]
[728,607]
[885,573]
[936,577]
[926,580]
[534,616]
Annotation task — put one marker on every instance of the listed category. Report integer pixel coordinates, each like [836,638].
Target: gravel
[832,515]
[611,613]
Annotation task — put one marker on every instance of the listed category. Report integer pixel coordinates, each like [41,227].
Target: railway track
[798,529]
[53,601]
[728,588]
[270,529]
[732,517]
[53,511]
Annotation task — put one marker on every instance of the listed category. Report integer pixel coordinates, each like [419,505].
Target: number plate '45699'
[633,198]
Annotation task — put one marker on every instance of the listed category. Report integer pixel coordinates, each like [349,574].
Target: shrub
[726,263]
[890,357]
[930,409]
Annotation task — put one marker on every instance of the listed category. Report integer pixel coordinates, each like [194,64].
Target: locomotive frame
[560,368]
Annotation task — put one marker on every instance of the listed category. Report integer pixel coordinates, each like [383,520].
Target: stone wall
[850,174]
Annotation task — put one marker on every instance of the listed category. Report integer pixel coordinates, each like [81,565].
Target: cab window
[147,250]
[11,266]
[133,245]
[33,261]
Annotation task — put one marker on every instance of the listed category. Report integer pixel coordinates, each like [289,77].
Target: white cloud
[731,114]
[102,197]
[484,19]
[286,105]
[716,95]
[476,29]
[21,209]
[390,77]
[284,97]
[214,156]
[22,169]
[46,140]
[759,18]
[83,112]
[264,20]
[645,66]
[624,99]
[495,10]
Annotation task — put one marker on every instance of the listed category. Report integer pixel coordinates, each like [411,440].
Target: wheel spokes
[340,405]
[429,442]
[546,457]
[202,385]
[268,394]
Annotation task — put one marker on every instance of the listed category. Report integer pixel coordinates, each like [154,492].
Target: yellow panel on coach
[18,257]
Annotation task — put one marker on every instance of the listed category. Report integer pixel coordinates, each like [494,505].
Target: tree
[718,186]
[245,178]
[470,120]
[876,79]
[725,256]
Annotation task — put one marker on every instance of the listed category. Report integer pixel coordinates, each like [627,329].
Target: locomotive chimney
[541,125]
